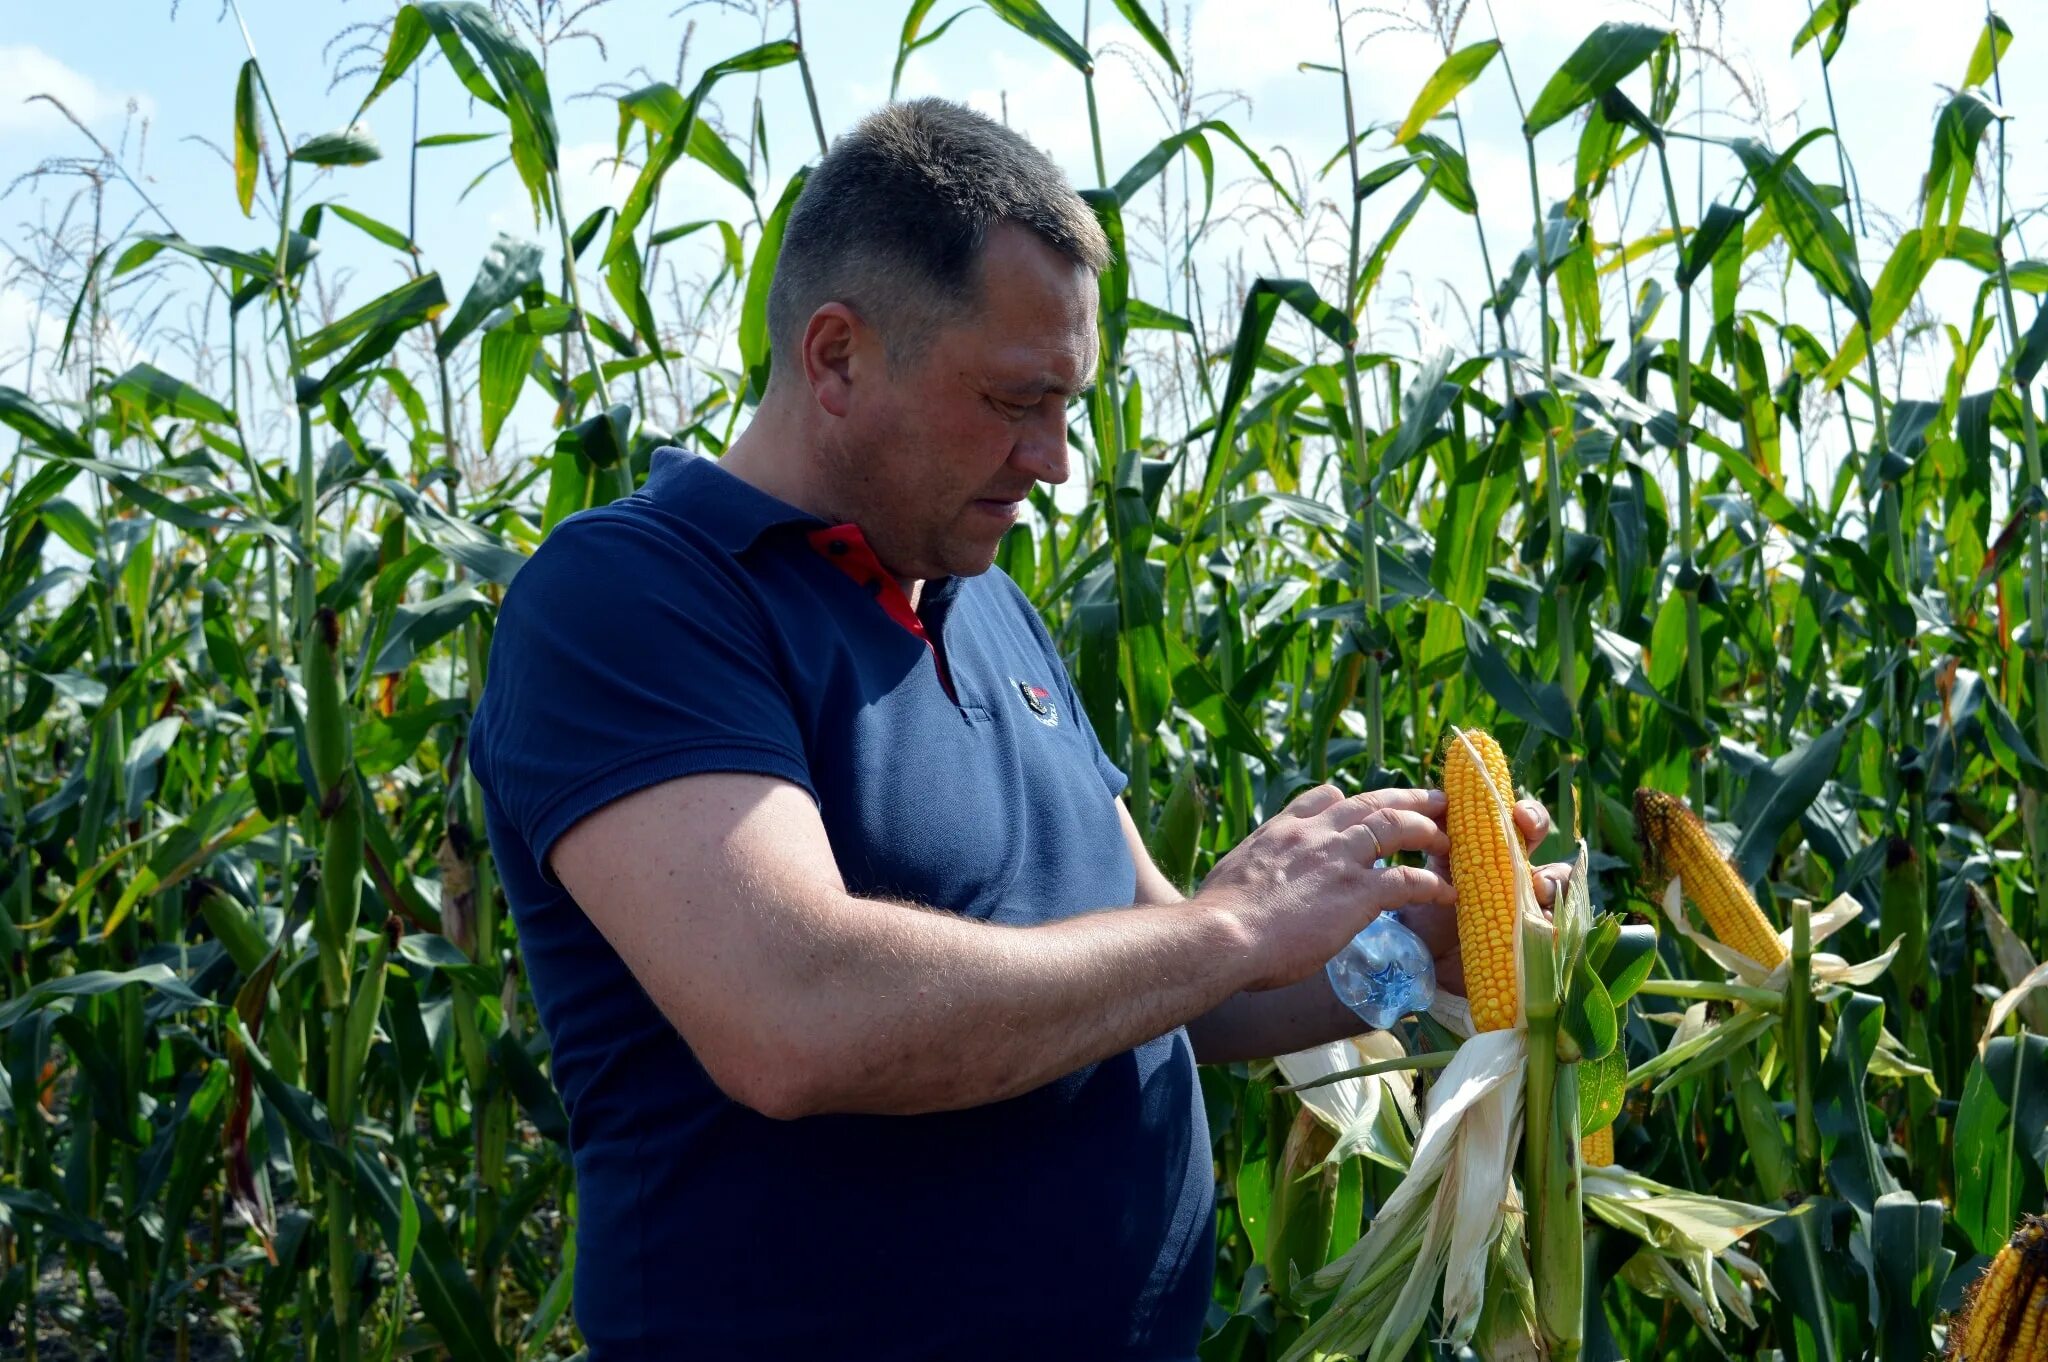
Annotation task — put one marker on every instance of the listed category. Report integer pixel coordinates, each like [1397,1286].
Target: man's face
[940,453]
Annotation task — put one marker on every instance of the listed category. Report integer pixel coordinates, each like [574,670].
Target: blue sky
[179,69]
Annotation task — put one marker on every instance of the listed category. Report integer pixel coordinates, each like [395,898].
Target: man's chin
[968,560]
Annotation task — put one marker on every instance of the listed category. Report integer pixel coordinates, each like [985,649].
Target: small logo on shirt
[1039,701]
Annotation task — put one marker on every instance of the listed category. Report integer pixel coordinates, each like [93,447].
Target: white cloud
[29,71]
[23,327]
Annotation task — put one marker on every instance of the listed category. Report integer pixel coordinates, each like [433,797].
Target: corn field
[1693,495]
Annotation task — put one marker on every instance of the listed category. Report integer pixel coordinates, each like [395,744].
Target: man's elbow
[775,1083]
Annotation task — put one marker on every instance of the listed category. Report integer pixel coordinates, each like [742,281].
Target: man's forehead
[1064,367]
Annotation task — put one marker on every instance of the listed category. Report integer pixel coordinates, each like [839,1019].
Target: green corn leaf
[1829,17]
[1603,1089]
[145,754]
[676,118]
[1177,838]
[2001,1139]
[2033,351]
[1819,240]
[1196,690]
[1587,1026]
[1905,1241]
[1778,793]
[1952,167]
[622,278]
[447,1296]
[350,147]
[158,978]
[1458,70]
[246,139]
[1854,1166]
[377,231]
[1140,315]
[754,337]
[735,258]
[148,244]
[153,393]
[1194,141]
[579,240]
[1608,54]
[507,355]
[1540,703]
[1992,41]
[914,37]
[1029,17]
[1134,12]
[42,1209]
[456,139]
[405,306]
[415,628]
[1721,221]
[1379,177]
[494,67]
[1450,176]
[1383,250]
[28,418]
[509,268]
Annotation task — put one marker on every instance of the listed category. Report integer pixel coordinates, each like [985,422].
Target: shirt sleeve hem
[651,768]
[1112,775]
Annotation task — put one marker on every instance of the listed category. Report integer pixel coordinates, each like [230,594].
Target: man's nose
[1041,448]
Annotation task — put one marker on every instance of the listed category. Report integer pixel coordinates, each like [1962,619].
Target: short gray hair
[893,219]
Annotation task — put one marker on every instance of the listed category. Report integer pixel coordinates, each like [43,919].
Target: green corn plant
[270,1077]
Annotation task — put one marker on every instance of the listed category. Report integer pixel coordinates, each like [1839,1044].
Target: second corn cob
[2005,1318]
[1678,843]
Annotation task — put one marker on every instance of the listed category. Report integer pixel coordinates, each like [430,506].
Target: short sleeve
[625,656]
[1112,775]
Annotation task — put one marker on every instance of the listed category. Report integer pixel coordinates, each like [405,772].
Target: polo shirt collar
[734,512]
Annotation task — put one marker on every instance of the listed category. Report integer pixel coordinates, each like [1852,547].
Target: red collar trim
[846,548]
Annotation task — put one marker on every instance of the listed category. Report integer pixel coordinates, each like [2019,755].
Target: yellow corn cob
[2005,1317]
[1597,1150]
[2033,1339]
[1487,864]
[1678,842]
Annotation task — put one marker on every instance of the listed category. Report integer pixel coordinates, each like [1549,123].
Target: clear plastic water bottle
[1384,974]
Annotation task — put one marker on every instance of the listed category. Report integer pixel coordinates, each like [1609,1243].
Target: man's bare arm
[721,895]
[1246,1025]
[1307,1013]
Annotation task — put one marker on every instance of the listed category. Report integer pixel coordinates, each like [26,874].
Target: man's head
[933,309]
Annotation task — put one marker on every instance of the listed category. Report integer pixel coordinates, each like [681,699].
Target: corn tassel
[1485,867]
[2005,1317]
[1678,843]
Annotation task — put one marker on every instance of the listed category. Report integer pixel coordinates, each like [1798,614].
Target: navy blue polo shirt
[701,625]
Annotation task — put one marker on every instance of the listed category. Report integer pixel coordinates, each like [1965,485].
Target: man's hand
[1438,926]
[1304,883]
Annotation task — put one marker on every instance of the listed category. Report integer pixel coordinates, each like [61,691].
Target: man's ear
[833,343]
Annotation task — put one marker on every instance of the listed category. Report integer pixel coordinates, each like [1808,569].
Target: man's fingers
[1532,820]
[1436,924]
[1429,803]
[1311,802]
[1403,886]
[1396,830]
[1549,880]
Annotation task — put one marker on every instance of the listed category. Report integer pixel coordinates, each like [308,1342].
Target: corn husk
[1455,1218]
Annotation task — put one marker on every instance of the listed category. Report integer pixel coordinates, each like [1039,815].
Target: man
[875,1024]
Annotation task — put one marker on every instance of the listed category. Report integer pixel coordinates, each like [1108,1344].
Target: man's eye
[1012,411]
